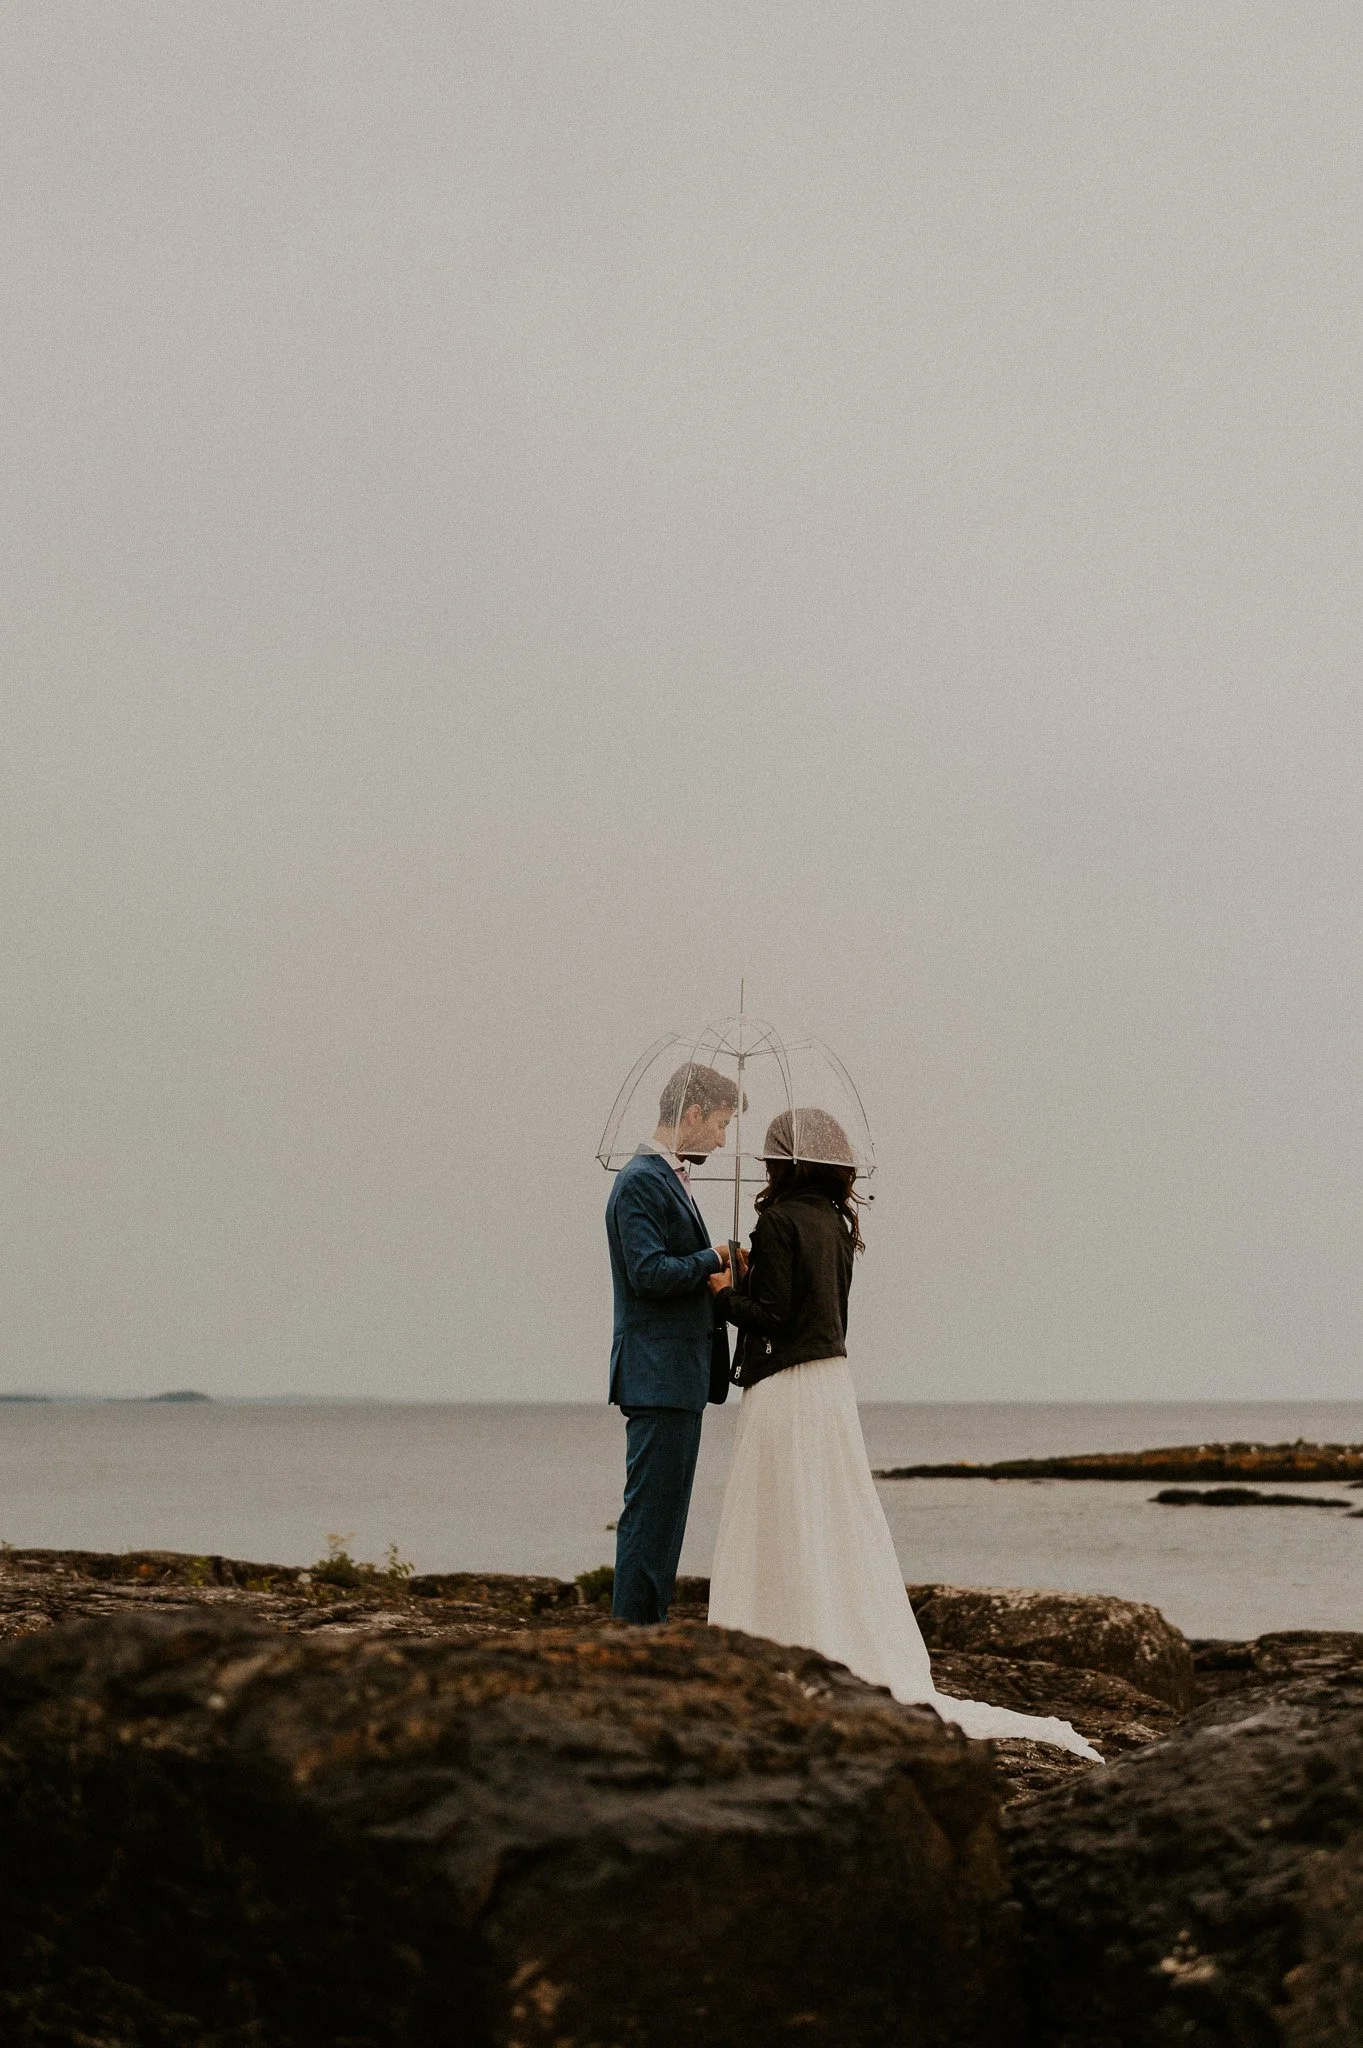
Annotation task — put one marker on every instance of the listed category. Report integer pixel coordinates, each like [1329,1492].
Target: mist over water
[531,1488]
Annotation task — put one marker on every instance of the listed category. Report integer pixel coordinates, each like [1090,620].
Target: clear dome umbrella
[794,1100]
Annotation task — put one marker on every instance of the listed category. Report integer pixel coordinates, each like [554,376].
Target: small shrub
[596,1586]
[200,1571]
[338,1567]
[397,1569]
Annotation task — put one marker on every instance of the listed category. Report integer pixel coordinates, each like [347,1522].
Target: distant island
[108,1400]
[1299,1460]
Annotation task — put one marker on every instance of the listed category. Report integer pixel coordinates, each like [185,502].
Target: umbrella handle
[733,1264]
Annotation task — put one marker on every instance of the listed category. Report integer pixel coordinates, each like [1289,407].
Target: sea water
[527,1488]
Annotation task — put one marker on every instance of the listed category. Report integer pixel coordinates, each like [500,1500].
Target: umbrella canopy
[791,1098]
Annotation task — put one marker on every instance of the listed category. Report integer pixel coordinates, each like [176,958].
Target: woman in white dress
[804,1553]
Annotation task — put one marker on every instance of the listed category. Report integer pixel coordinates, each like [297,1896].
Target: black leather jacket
[793,1306]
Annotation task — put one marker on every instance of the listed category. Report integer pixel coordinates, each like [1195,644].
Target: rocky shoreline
[247,1806]
[1269,1462]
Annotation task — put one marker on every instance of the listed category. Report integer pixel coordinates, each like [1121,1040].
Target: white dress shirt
[679,1167]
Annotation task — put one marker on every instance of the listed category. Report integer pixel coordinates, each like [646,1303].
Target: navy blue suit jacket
[666,1338]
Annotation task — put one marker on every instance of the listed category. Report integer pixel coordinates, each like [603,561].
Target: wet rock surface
[1225,1666]
[1000,1647]
[1208,1889]
[1079,1631]
[39,1588]
[246,1807]
[219,1833]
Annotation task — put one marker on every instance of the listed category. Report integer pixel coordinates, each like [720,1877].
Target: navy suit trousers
[660,1463]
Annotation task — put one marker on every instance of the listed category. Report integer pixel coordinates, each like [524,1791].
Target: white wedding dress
[804,1554]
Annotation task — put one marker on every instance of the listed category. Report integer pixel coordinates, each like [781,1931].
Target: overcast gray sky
[516,514]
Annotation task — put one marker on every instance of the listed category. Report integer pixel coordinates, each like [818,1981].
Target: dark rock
[1325,1989]
[1083,1631]
[1208,1889]
[1239,1497]
[1273,1462]
[1223,1667]
[218,1835]
[160,1567]
[1026,1769]
[1307,1653]
[496,1589]
[41,1587]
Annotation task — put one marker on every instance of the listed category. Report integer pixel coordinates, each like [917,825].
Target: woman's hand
[718,1282]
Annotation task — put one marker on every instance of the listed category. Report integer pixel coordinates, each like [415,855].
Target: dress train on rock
[804,1554]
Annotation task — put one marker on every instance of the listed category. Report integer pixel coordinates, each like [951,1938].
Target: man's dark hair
[702,1088]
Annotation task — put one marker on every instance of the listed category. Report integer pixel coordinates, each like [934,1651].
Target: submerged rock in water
[1208,1889]
[1240,1497]
[1080,1631]
[217,1833]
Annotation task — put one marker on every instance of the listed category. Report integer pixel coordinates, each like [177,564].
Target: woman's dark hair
[787,1175]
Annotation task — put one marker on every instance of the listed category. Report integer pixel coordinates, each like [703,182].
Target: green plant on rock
[338,1567]
[200,1571]
[596,1586]
[397,1569]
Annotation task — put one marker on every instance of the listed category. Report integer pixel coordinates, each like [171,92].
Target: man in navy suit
[669,1356]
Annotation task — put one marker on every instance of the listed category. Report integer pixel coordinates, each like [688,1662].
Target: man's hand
[722,1251]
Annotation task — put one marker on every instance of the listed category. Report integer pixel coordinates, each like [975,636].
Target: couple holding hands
[804,1554]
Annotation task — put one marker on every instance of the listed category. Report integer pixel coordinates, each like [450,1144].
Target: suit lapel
[682,1195]
[693,1210]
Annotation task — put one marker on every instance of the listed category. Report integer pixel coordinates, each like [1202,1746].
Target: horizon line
[195,1398]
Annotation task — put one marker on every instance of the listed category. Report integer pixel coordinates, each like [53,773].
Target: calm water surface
[531,1489]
